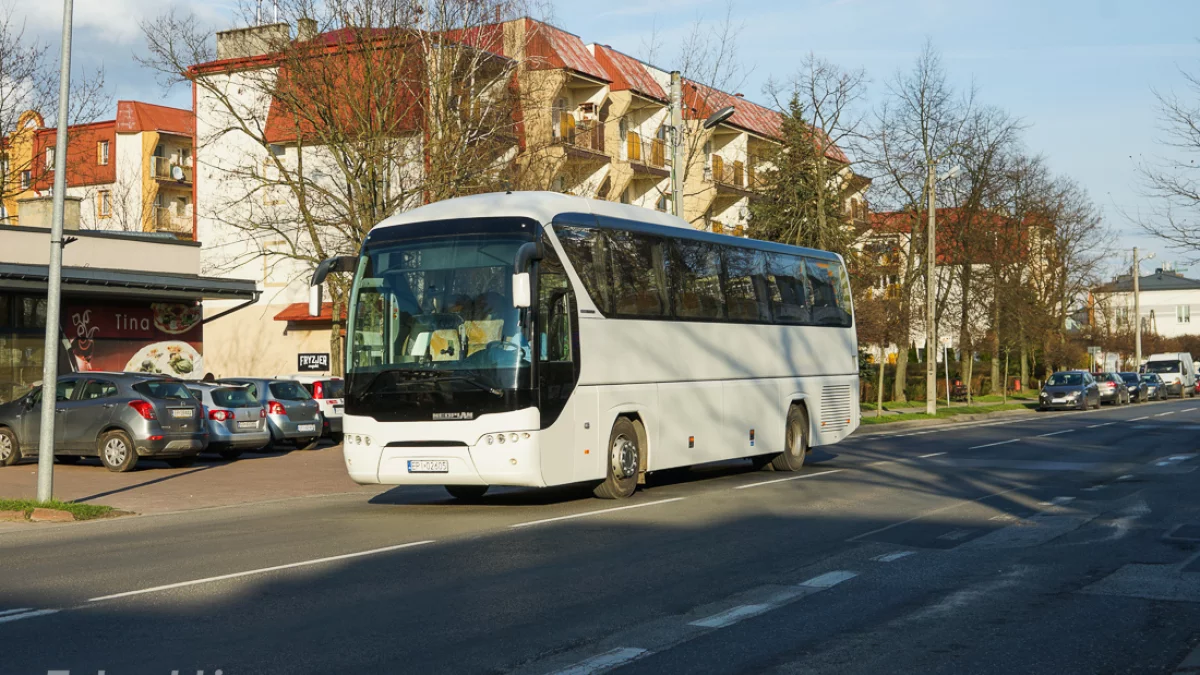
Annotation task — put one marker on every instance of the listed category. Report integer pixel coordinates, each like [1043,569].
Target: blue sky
[1079,73]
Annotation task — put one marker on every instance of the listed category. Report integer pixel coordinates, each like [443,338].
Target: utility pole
[1137,312]
[677,169]
[930,297]
[45,483]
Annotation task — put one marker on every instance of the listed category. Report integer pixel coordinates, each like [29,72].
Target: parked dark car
[1112,388]
[1134,384]
[1154,387]
[1073,389]
[118,417]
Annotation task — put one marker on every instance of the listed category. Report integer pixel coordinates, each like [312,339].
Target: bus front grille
[835,408]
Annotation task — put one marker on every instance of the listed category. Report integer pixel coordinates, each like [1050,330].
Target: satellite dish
[177,172]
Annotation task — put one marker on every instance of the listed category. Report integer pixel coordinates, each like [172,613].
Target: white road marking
[1138,419]
[1180,458]
[1055,433]
[730,616]
[892,557]
[596,513]
[955,505]
[1058,501]
[606,661]
[1165,414]
[1097,426]
[780,480]
[262,570]
[992,445]
[1127,476]
[1187,410]
[16,611]
[1094,488]
[27,615]
[956,535]
[932,454]
[882,461]
[829,579]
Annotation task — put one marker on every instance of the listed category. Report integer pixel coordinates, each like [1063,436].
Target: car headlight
[1044,394]
[1072,395]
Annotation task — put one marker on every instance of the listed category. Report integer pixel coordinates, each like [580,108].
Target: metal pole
[677,159]
[45,485]
[930,296]
[946,361]
[1137,312]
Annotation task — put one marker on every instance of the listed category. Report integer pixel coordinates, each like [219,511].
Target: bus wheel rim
[624,457]
[795,439]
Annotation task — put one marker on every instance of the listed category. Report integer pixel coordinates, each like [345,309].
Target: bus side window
[785,278]
[554,310]
[831,301]
[695,279]
[587,251]
[745,288]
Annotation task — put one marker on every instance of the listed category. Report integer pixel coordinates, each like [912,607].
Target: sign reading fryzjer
[314,363]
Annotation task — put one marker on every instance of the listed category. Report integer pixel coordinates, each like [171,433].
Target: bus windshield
[434,311]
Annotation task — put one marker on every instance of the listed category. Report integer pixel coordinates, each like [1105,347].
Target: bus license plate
[181,413]
[429,466]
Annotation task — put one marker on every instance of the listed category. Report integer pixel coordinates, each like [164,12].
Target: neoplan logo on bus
[448,416]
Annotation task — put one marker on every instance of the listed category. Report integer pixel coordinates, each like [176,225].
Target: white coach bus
[537,339]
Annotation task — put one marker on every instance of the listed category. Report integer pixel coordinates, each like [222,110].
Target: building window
[49,158]
[26,178]
[662,203]
[102,153]
[1183,313]
[104,203]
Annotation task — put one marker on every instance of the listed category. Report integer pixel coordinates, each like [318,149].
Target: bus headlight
[500,437]
[513,438]
[490,440]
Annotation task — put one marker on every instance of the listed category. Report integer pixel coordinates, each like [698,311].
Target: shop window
[31,313]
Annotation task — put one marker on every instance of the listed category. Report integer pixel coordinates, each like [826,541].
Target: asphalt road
[1057,543]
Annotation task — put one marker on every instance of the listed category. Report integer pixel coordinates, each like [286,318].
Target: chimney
[306,29]
[241,43]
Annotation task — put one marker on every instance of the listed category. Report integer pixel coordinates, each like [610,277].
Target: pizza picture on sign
[175,318]
[173,358]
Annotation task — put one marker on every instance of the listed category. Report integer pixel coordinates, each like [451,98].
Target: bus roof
[544,207]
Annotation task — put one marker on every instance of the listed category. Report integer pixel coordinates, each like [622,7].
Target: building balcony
[168,220]
[646,153]
[583,138]
[741,175]
[167,169]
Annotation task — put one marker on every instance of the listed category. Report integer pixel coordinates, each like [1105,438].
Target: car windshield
[334,389]
[234,397]
[1065,380]
[1163,367]
[439,307]
[288,391]
[164,390]
[1130,378]
[1150,378]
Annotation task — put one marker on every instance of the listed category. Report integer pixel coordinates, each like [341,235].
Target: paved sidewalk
[156,488]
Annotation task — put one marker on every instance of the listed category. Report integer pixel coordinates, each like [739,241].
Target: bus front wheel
[795,442]
[624,461]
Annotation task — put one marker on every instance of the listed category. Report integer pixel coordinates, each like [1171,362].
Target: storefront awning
[297,312]
[121,283]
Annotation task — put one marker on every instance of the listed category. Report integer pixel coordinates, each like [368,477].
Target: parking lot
[210,482]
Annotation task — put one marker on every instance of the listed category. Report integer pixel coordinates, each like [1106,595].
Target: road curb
[959,420]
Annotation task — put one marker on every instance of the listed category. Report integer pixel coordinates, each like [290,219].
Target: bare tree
[1174,182]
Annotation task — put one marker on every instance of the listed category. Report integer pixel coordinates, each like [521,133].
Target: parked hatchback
[292,415]
[1133,383]
[118,417]
[1112,388]
[237,421]
[1154,387]
[1069,389]
[330,394]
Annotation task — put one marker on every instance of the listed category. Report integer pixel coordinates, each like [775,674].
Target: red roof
[962,236]
[298,312]
[628,73]
[135,116]
[550,48]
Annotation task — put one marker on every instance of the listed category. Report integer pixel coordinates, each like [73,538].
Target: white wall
[1163,304]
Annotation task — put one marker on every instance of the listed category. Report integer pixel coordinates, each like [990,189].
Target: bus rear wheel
[467,493]
[624,461]
[795,442]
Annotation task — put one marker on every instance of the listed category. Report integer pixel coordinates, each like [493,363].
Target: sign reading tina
[314,363]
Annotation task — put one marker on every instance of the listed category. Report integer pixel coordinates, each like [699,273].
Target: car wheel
[117,452]
[230,454]
[67,459]
[466,493]
[10,452]
[624,462]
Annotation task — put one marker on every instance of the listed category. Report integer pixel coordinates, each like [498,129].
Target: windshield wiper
[474,381]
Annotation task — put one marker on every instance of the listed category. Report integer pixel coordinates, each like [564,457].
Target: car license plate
[306,427]
[428,466]
[1058,400]
[181,413]
[337,410]
[247,425]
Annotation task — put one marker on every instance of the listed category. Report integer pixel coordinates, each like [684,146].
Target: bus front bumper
[417,463]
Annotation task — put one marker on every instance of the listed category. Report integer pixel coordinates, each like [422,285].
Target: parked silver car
[330,394]
[118,417]
[237,421]
[292,414]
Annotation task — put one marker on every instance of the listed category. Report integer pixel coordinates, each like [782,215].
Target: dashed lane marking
[1138,419]
[1188,410]
[1165,414]
[992,445]
[932,454]
[595,513]
[16,611]
[606,661]
[1055,433]
[892,557]
[956,535]
[27,615]
[731,616]
[1097,426]
[781,480]
[829,579]
[1058,501]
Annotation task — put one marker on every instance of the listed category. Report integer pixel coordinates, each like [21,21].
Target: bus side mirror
[314,300]
[522,290]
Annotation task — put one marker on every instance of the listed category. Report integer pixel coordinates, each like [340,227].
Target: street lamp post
[1137,309]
